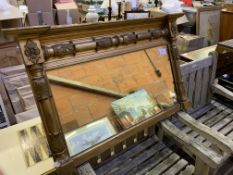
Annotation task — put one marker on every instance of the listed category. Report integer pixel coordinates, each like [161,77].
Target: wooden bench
[149,157]
[209,123]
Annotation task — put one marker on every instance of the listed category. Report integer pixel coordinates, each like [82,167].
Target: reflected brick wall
[124,73]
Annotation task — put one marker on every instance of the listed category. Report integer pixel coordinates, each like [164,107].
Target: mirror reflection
[97,99]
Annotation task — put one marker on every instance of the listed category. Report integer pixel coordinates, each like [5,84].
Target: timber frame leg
[201,168]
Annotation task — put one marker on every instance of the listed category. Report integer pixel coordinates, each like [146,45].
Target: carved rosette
[32,51]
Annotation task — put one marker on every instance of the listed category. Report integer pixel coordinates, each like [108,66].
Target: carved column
[179,86]
[34,60]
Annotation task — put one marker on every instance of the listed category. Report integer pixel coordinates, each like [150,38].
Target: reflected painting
[135,108]
[89,135]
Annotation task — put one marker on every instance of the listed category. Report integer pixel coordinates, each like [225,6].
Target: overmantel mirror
[100,87]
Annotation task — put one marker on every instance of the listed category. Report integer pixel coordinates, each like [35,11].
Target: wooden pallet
[149,157]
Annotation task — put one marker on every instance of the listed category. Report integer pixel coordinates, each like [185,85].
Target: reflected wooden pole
[86,87]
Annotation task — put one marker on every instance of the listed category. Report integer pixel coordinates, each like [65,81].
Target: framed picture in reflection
[134,108]
[89,135]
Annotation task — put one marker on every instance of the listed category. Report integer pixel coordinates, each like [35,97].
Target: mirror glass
[98,99]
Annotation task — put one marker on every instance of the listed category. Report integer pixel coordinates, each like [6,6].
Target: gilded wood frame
[40,55]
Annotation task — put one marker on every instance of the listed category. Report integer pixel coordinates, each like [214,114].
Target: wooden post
[33,59]
[179,87]
[201,167]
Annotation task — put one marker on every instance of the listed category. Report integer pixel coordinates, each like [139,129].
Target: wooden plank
[11,83]
[6,101]
[227,129]
[197,114]
[24,90]
[230,135]
[213,71]
[27,115]
[209,121]
[201,168]
[223,107]
[212,122]
[191,88]
[180,165]
[211,157]
[163,166]
[188,170]
[215,119]
[133,162]
[218,89]
[130,153]
[205,86]
[185,79]
[218,126]
[220,140]
[203,119]
[151,163]
[197,91]
[195,65]
[198,54]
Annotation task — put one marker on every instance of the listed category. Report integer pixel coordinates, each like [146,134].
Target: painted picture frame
[134,108]
[89,135]
[136,14]
[208,24]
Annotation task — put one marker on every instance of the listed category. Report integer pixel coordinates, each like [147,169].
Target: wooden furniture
[105,55]
[209,123]
[189,42]
[16,94]
[197,54]
[207,24]
[9,54]
[226,26]
[149,157]
[225,55]
[6,100]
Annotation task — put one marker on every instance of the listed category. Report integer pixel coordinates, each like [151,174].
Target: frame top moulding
[69,32]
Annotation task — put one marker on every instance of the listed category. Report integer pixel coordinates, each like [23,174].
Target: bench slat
[188,170]
[163,166]
[223,142]
[124,157]
[180,165]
